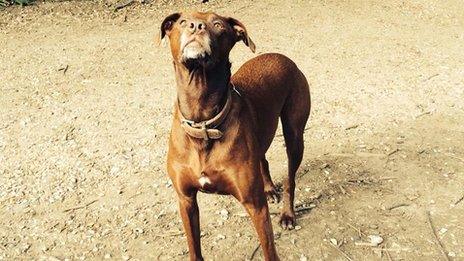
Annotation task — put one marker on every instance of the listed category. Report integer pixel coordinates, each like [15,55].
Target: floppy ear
[166,25]
[241,33]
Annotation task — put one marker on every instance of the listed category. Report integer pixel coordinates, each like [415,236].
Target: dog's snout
[196,26]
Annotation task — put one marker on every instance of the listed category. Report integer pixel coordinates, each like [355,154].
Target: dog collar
[208,129]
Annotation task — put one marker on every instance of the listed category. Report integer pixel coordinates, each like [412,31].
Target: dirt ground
[86,102]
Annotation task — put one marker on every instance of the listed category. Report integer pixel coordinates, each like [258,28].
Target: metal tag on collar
[205,130]
[189,122]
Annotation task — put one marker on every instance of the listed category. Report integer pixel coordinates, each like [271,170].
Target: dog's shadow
[325,178]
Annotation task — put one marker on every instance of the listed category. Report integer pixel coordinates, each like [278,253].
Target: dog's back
[274,86]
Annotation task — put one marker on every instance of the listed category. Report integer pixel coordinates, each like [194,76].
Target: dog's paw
[287,220]
[272,194]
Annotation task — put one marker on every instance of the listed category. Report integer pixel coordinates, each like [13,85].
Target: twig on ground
[342,189]
[79,207]
[431,76]
[171,234]
[341,252]
[64,69]
[398,206]
[352,127]
[442,248]
[385,178]
[360,233]
[454,157]
[422,114]
[394,249]
[387,254]
[393,152]
[254,252]
[459,200]
[358,154]
[241,8]
[303,209]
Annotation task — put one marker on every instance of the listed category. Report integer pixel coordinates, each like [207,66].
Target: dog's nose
[196,26]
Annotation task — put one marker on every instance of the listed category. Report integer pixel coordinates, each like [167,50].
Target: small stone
[333,241]
[303,258]
[125,258]
[107,256]
[221,237]
[224,213]
[297,227]
[375,240]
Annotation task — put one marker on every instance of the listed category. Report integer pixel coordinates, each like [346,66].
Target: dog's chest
[213,181]
[211,168]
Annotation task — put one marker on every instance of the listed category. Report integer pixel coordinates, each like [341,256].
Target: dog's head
[203,39]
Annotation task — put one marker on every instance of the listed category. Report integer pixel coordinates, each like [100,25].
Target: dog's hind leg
[294,116]
[269,188]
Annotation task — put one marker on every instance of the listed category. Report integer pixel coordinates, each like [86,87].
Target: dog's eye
[218,25]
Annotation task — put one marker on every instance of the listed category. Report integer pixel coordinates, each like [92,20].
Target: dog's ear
[166,26]
[241,33]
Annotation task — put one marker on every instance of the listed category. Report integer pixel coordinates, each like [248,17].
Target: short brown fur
[270,86]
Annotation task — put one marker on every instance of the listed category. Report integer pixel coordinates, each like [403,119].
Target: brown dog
[222,127]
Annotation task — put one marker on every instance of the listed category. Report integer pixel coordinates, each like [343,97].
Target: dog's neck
[202,92]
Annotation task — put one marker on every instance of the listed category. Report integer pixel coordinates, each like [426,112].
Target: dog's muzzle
[195,47]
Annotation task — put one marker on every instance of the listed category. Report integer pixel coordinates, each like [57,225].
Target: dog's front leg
[260,216]
[188,207]
[254,200]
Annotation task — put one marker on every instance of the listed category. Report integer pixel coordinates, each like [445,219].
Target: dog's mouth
[196,51]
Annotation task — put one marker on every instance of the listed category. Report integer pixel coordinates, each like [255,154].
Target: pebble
[334,241]
[375,240]
[224,213]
